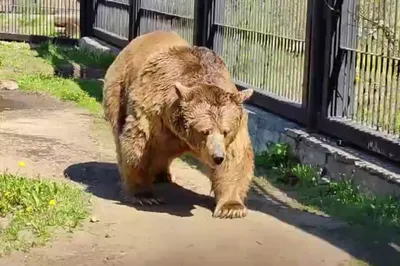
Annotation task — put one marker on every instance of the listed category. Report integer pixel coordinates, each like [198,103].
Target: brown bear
[164,98]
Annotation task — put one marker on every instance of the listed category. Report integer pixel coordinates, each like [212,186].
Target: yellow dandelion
[52,202]
[7,194]
[29,209]
[21,164]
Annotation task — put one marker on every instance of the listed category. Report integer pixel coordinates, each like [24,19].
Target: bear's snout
[216,148]
[218,159]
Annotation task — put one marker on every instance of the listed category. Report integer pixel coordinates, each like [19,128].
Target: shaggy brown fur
[163,98]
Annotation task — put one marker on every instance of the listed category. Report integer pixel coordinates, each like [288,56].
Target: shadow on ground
[102,180]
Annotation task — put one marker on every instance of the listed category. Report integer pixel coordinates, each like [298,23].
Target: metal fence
[117,21]
[360,101]
[26,19]
[370,77]
[263,43]
[330,65]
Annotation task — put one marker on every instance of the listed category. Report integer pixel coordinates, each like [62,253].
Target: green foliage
[277,155]
[342,198]
[31,209]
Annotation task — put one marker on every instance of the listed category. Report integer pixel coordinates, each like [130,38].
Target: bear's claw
[145,198]
[230,210]
[150,201]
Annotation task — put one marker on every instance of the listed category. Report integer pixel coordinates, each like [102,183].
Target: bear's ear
[243,95]
[181,90]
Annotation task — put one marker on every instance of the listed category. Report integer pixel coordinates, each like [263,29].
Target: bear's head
[209,119]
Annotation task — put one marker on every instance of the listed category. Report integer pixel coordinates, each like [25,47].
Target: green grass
[68,90]
[31,209]
[33,69]
[342,198]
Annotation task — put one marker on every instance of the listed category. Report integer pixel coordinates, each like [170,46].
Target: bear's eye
[225,132]
[206,132]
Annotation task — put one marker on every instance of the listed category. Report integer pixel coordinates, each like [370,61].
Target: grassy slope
[34,69]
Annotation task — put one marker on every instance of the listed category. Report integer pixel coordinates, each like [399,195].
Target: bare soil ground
[56,139]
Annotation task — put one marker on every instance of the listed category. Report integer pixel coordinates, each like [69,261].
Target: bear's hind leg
[138,186]
[134,159]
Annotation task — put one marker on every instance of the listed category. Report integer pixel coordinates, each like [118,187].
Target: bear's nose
[218,159]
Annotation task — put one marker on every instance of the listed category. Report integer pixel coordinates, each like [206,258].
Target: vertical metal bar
[333,58]
[396,75]
[352,61]
[317,67]
[86,17]
[134,18]
[388,72]
[381,67]
[307,49]
[201,22]
[131,19]
[217,38]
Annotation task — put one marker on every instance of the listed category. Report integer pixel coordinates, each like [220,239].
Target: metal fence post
[202,22]
[134,16]
[86,17]
[317,63]
[340,96]
[333,56]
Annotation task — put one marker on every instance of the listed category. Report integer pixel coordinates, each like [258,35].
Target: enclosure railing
[26,20]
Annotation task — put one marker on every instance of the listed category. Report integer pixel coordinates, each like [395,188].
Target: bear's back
[133,57]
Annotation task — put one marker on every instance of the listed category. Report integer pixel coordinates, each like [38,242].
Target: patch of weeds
[31,209]
[58,54]
[65,89]
[341,198]
[278,155]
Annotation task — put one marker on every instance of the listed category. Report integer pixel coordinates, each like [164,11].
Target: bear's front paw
[145,198]
[230,209]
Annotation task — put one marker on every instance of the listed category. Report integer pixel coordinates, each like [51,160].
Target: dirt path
[54,139]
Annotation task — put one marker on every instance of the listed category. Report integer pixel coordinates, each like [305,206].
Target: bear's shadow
[102,180]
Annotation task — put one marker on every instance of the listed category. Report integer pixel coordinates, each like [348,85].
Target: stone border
[97,46]
[74,70]
[372,174]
